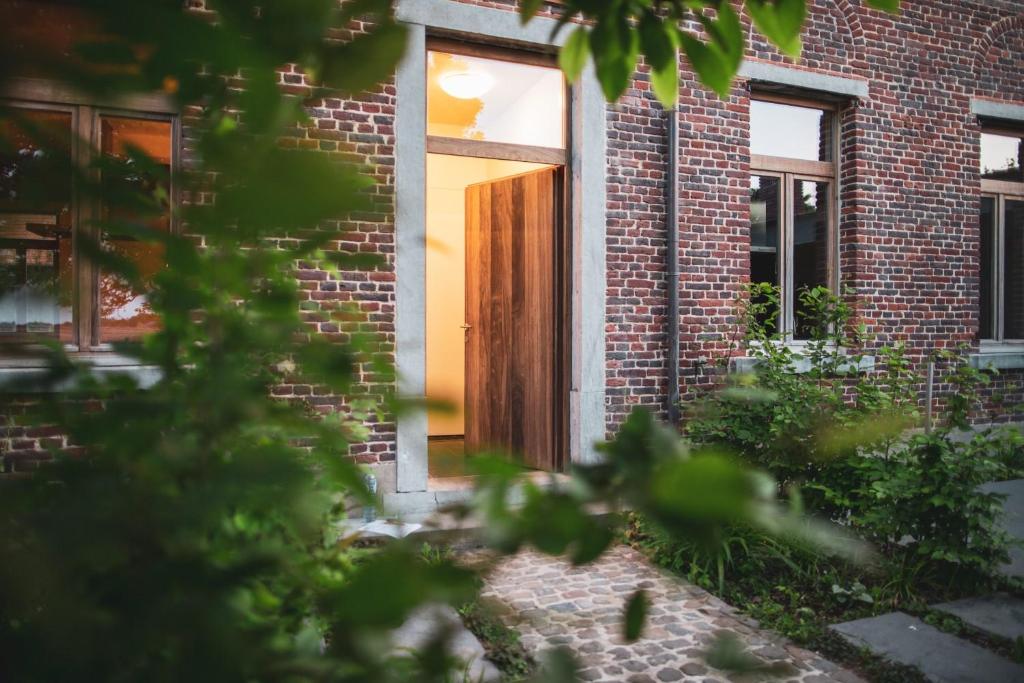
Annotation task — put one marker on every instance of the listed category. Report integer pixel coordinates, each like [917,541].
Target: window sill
[23,375]
[998,356]
[802,364]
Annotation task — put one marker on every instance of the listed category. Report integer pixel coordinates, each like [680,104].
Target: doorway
[496,247]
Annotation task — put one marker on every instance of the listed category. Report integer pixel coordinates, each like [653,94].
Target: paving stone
[684,619]
[1012,521]
[998,614]
[941,657]
[694,669]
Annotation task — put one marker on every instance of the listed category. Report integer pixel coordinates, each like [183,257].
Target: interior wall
[447,179]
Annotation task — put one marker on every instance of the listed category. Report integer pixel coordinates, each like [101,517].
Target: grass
[500,642]
[798,593]
[482,617]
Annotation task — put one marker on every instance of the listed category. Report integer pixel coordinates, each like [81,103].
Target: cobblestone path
[554,604]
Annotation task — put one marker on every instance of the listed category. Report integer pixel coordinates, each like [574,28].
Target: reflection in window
[1002,157]
[810,245]
[1013,270]
[35,224]
[987,255]
[765,211]
[798,220]
[494,100]
[785,130]
[136,168]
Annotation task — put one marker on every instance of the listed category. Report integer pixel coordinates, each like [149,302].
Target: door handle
[466,327]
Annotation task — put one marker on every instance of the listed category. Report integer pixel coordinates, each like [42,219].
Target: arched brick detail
[992,34]
[995,69]
[850,11]
[833,39]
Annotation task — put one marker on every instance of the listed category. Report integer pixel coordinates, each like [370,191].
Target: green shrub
[841,438]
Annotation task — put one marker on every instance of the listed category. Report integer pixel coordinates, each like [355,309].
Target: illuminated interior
[447,179]
[35,225]
[125,312]
[493,100]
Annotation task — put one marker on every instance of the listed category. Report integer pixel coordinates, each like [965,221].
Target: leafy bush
[927,499]
[799,409]
[841,438]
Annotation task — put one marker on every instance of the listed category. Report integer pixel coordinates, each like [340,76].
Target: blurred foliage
[839,435]
[710,33]
[194,539]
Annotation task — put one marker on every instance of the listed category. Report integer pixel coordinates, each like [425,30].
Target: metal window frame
[998,265]
[789,170]
[1000,191]
[36,94]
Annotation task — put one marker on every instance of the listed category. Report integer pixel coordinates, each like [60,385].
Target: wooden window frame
[1000,191]
[789,170]
[86,114]
[998,274]
[437,144]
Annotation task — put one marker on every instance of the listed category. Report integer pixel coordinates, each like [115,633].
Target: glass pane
[785,130]
[136,170]
[810,246]
[494,100]
[1001,157]
[1013,269]
[988,227]
[35,224]
[765,209]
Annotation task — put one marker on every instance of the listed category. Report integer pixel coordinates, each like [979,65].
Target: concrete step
[1012,521]
[998,614]
[426,625]
[942,658]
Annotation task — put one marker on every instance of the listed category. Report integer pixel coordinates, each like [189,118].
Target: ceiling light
[466,85]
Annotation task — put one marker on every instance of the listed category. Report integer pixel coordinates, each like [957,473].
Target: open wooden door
[512,228]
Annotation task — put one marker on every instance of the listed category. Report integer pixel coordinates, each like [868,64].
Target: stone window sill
[998,356]
[802,364]
[22,375]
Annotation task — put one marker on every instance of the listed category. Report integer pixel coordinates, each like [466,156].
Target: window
[46,290]
[1001,314]
[493,104]
[792,203]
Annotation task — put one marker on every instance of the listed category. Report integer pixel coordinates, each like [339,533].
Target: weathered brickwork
[908,227]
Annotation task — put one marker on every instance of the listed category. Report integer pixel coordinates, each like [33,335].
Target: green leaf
[780,22]
[665,82]
[655,40]
[890,6]
[376,53]
[615,47]
[711,67]
[573,55]
[528,9]
[636,613]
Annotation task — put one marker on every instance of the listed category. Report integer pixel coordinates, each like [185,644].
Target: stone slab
[425,624]
[998,614]
[942,658]
[1012,521]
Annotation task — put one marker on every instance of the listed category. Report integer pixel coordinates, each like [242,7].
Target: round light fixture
[466,85]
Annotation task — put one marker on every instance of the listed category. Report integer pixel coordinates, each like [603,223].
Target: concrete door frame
[587,166]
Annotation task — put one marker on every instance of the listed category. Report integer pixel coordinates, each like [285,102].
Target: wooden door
[512,227]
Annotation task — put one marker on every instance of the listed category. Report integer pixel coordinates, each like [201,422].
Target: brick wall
[909,200]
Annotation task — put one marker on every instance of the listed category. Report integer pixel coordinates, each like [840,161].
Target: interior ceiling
[511,82]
